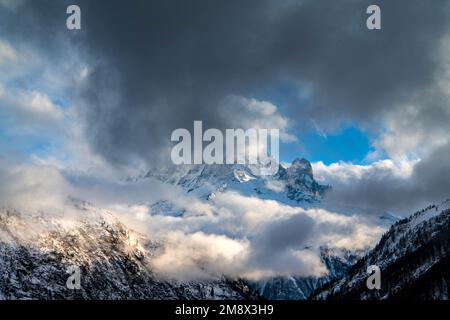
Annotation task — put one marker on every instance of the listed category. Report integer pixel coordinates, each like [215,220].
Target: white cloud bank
[396,186]
[232,235]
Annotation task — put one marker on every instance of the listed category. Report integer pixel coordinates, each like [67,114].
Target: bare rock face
[296,183]
[300,183]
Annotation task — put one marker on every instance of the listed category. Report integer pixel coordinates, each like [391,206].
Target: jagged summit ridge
[294,184]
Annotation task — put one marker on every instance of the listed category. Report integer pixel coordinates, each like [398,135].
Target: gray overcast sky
[159,65]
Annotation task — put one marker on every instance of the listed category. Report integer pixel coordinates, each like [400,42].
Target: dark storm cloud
[271,248]
[171,63]
[358,74]
[175,61]
[380,189]
[160,65]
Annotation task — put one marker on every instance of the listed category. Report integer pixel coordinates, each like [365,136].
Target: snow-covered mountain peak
[242,175]
[301,166]
[292,185]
